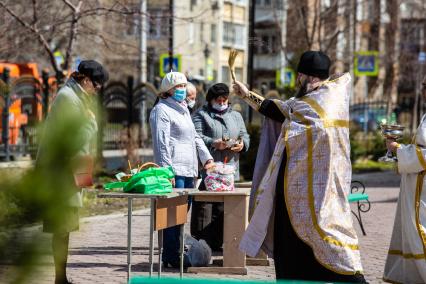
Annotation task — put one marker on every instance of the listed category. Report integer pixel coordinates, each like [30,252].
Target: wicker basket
[147,166]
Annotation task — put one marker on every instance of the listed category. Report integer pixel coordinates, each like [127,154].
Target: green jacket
[70,130]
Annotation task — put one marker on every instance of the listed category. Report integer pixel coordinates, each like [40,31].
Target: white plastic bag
[220,178]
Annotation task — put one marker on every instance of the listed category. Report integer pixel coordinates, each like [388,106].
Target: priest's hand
[392,145]
[240,89]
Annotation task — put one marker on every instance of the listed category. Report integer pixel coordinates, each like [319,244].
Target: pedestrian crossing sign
[286,78]
[366,63]
[165,66]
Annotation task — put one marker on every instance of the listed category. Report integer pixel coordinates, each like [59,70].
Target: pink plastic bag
[221,178]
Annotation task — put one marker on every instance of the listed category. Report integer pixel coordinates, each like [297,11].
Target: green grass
[365,165]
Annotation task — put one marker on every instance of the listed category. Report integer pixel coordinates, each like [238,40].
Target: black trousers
[293,258]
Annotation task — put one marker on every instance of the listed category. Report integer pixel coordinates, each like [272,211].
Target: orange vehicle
[25,108]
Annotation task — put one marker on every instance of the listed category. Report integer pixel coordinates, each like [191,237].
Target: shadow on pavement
[378,179]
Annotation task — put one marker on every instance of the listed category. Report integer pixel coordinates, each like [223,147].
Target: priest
[300,213]
[405,262]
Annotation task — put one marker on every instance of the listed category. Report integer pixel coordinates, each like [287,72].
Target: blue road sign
[165,66]
[366,63]
[77,62]
[422,56]
[289,78]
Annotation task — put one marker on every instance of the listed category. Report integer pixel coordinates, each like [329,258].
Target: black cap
[314,63]
[217,90]
[94,70]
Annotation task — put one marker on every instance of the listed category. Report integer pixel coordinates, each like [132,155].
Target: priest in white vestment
[406,262]
[300,215]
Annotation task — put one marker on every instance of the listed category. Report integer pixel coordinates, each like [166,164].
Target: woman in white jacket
[176,144]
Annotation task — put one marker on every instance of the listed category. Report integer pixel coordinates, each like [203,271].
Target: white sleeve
[411,159]
[203,152]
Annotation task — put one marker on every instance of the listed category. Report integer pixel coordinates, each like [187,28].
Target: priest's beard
[303,89]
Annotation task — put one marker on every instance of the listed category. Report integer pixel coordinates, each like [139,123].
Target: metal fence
[124,122]
[368,115]
[127,109]
[23,103]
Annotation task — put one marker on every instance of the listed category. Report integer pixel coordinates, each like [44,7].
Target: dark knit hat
[94,70]
[217,90]
[314,63]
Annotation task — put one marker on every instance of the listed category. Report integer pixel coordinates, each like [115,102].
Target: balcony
[266,61]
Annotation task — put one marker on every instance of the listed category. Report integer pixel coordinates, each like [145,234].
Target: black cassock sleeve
[269,109]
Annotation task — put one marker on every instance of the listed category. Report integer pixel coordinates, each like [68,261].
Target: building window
[191,33]
[152,30]
[225,74]
[234,35]
[201,31]
[267,44]
[239,74]
[157,26]
[213,33]
[279,4]
[132,24]
[193,3]
[240,2]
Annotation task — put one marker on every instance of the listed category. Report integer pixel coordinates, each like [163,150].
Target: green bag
[149,181]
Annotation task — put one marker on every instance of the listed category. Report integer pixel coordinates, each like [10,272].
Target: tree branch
[314,26]
[332,40]
[74,31]
[34,30]
[305,28]
[69,4]
[35,19]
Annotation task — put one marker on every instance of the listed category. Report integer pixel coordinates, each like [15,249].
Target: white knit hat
[171,80]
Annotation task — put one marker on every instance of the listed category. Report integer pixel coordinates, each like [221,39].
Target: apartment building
[204,33]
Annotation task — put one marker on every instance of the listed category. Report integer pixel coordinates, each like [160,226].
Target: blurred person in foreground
[217,122]
[191,97]
[405,262]
[64,158]
[176,144]
[300,212]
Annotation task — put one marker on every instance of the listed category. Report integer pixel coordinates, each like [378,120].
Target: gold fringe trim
[327,239]
[406,255]
[419,188]
[420,157]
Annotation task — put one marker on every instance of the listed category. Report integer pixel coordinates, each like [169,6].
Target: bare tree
[56,25]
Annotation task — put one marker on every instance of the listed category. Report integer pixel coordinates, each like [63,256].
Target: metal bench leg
[359,218]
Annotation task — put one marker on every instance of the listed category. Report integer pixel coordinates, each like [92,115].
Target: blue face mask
[179,94]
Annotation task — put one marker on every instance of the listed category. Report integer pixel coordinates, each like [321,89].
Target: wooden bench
[359,196]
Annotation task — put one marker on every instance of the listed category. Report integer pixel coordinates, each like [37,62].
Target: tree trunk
[390,88]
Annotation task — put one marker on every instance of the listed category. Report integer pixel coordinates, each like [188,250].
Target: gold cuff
[254,100]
